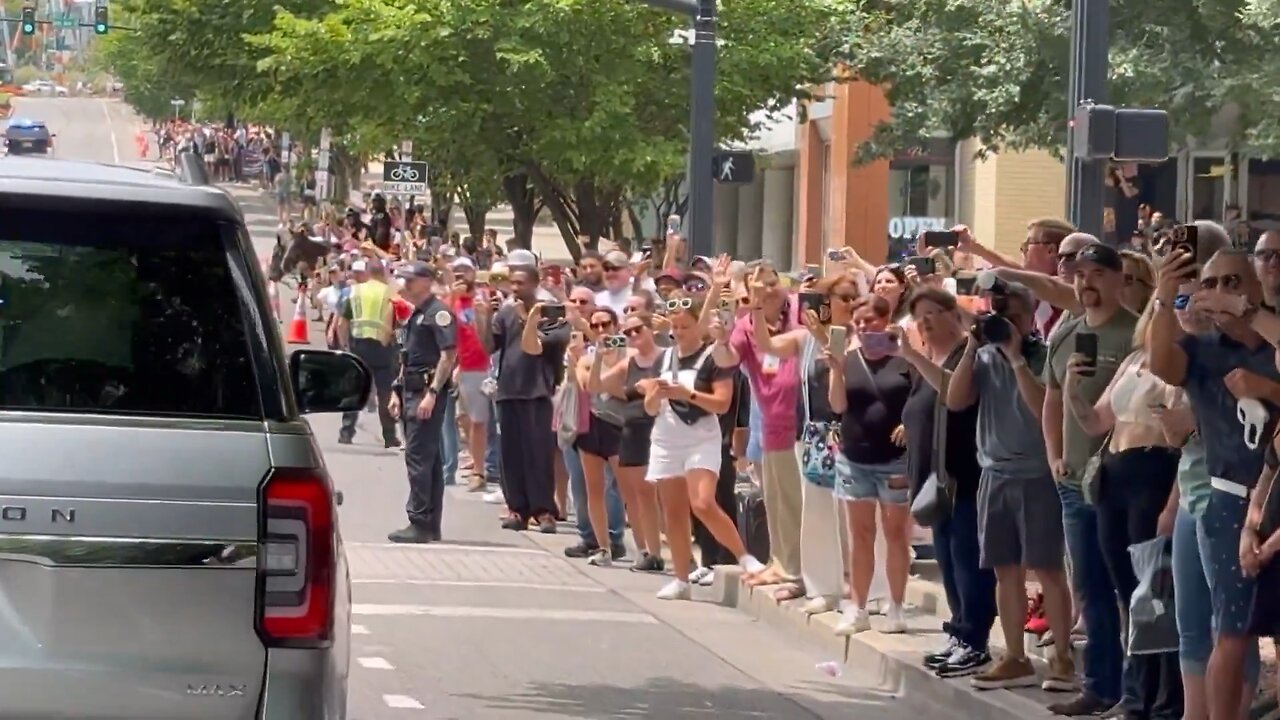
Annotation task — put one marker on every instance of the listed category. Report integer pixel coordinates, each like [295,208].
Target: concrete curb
[895,658]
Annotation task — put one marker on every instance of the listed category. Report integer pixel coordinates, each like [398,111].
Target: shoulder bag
[819,441]
[933,503]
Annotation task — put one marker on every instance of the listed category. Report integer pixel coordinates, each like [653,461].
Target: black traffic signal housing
[28,20]
[101,22]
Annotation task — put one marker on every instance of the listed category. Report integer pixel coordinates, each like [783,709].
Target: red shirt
[471,353]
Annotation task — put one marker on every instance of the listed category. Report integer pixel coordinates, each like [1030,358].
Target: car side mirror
[329,381]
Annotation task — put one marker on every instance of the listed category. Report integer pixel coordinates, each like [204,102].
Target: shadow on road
[672,699]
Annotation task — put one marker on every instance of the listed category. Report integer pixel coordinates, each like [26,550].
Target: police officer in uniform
[368,321]
[430,350]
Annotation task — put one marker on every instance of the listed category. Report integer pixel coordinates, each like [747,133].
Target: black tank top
[633,409]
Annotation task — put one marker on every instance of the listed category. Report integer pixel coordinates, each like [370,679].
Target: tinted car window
[133,314]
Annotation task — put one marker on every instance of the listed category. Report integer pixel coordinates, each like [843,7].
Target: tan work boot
[1007,673]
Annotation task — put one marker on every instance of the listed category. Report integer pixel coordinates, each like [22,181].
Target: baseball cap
[416,269]
[1101,255]
[522,257]
[463,262]
[616,258]
[359,266]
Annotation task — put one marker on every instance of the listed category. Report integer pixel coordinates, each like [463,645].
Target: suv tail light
[296,559]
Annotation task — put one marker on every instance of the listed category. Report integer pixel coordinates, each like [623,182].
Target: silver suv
[169,544]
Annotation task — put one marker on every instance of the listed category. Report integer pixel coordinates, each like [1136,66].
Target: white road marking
[503,613]
[111,131]
[465,583]
[402,702]
[375,663]
[449,547]
[359,630]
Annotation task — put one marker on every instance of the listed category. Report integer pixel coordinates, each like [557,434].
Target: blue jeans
[449,440]
[493,448]
[612,500]
[971,590]
[1103,653]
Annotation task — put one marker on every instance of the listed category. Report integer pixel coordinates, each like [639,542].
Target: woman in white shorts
[685,460]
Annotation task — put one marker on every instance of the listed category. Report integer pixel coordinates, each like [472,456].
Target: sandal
[768,576]
[788,591]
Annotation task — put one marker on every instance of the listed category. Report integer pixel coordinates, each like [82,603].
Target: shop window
[921,197]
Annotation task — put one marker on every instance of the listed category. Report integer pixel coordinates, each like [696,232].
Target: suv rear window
[130,314]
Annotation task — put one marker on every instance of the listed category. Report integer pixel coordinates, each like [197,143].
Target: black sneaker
[965,661]
[411,534]
[618,551]
[1086,703]
[392,443]
[345,439]
[514,522]
[937,658]
[649,563]
[579,551]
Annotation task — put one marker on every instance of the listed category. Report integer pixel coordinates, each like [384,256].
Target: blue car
[27,137]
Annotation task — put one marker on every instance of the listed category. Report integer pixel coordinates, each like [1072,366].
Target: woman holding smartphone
[869,386]
[619,379]
[684,401]
[1136,493]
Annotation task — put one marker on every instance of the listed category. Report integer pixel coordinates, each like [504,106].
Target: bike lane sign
[404,178]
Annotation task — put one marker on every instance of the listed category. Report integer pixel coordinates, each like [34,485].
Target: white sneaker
[696,576]
[676,590]
[709,579]
[751,564]
[895,620]
[818,605]
[600,558]
[874,607]
[495,498]
[854,621]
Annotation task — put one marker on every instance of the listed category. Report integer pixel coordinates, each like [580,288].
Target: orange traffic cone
[298,329]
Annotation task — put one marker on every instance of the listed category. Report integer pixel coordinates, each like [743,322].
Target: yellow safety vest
[371,311]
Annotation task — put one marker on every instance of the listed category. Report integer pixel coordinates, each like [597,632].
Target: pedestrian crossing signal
[28,20]
[100,24]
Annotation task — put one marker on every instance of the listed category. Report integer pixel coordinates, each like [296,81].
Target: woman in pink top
[775,383]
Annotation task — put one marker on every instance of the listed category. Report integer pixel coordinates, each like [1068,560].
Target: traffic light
[28,20]
[100,23]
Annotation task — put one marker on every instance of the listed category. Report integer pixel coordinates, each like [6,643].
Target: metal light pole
[702,119]
[1087,80]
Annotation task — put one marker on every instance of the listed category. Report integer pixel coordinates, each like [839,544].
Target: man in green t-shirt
[1098,279]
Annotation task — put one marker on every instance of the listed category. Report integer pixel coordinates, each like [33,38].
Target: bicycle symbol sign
[404,178]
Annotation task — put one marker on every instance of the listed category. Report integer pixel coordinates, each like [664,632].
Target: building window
[921,194]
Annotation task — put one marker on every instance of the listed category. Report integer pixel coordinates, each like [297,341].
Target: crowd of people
[1061,417]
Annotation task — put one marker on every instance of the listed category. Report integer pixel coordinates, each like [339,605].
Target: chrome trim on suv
[70,551]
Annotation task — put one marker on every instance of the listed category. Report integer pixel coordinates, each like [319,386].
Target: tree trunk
[525,206]
[441,204]
[475,214]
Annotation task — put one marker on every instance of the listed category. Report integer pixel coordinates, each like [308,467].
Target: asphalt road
[497,625]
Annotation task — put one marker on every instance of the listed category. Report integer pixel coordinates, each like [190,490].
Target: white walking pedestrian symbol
[726,169]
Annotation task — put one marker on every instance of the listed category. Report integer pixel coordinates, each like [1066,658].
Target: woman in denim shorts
[869,387]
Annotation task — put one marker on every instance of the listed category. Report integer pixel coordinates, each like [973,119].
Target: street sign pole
[406,153]
[1087,81]
[702,136]
[322,171]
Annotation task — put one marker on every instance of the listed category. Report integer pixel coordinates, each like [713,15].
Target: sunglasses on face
[600,325]
[846,297]
[1267,255]
[1231,281]
[696,286]
[633,331]
[679,304]
[1068,257]
[611,268]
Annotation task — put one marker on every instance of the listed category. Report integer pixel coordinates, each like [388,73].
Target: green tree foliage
[571,104]
[996,70]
